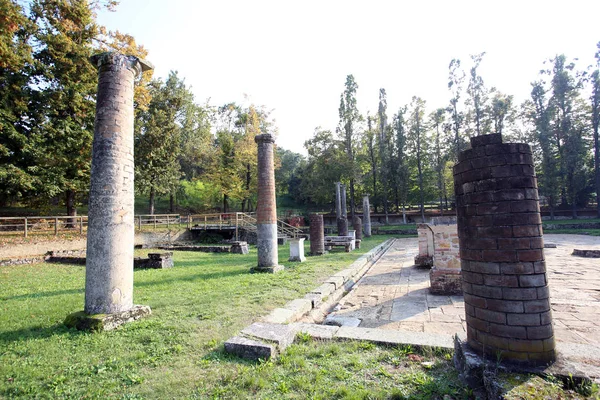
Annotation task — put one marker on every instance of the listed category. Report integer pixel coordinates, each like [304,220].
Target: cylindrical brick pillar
[502,252]
[366,216]
[266,208]
[109,264]
[317,235]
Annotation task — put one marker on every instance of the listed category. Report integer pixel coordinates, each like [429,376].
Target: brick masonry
[317,235]
[502,252]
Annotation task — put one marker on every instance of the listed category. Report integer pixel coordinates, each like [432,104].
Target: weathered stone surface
[299,306]
[110,236]
[324,290]
[316,331]
[336,320]
[239,247]
[386,336]
[280,316]
[366,216]
[280,334]
[337,281]
[317,235]
[297,250]
[586,253]
[250,349]
[105,322]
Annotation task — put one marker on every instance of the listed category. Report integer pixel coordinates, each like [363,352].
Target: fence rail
[54,224]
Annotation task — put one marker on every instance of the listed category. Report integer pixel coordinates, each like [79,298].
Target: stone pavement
[394,294]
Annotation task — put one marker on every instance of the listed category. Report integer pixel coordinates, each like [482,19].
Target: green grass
[571,221]
[197,305]
[403,227]
[591,232]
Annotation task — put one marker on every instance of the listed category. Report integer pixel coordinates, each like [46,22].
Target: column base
[105,322]
[297,259]
[268,270]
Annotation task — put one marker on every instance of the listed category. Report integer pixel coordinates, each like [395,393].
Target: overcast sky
[293,56]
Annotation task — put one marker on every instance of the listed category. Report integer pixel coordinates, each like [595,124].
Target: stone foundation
[105,322]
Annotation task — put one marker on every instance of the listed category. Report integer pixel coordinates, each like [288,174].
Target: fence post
[168,222]
[25,226]
[154,221]
[236,226]
[55,226]
[140,222]
[189,222]
[205,222]
[81,225]
[220,221]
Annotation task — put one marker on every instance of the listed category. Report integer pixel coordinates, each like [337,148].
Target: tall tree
[418,144]
[401,175]
[456,78]
[158,139]
[437,122]
[18,178]
[384,154]
[478,95]
[66,83]
[501,109]
[595,103]
[349,119]
[372,155]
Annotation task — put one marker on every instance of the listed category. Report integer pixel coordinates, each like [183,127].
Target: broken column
[110,238]
[317,235]
[340,209]
[502,252]
[445,276]
[297,250]
[266,208]
[357,225]
[366,216]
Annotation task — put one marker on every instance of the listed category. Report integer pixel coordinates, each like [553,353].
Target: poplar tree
[595,114]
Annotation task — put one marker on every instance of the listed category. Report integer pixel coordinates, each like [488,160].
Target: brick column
[501,248]
[366,216]
[109,265]
[317,235]
[266,208]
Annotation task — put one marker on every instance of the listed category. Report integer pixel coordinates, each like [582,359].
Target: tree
[418,143]
[372,155]
[477,92]
[65,84]
[18,178]
[158,139]
[384,154]
[437,121]
[349,118]
[456,78]
[401,175]
[501,109]
[595,113]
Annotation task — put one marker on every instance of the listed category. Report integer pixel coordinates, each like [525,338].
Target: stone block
[299,306]
[336,320]
[105,322]
[337,281]
[249,349]
[324,290]
[281,335]
[280,316]
[239,247]
[322,332]
[446,281]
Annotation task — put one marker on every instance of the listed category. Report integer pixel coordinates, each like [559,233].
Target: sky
[293,56]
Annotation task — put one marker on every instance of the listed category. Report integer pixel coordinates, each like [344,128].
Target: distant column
[357,225]
[342,220]
[266,207]
[366,216]
[317,235]
[109,265]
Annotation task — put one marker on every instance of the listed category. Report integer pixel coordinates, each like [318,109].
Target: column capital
[114,60]
[264,138]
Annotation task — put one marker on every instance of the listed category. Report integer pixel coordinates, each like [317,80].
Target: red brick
[535,280]
[531,194]
[520,293]
[483,267]
[536,243]
[481,220]
[526,230]
[498,159]
[527,170]
[517,268]
[549,344]
[501,280]
[543,292]
[494,231]
[492,149]
[504,171]
[475,301]
[496,342]
[529,346]
[519,159]
[537,306]
[467,287]
[517,332]
[480,244]
[469,310]
[539,267]
[489,292]
[546,317]
[524,206]
[530,255]
[477,323]
[513,243]
[509,194]
[505,306]
[490,316]
[540,332]
[493,208]
[523,319]
[499,255]
[471,277]
[474,255]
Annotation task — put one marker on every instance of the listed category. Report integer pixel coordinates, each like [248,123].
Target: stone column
[502,252]
[357,225]
[110,236]
[266,208]
[338,200]
[342,220]
[366,216]
[317,235]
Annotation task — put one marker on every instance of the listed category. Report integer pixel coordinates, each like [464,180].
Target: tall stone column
[317,235]
[266,207]
[110,236]
[340,212]
[505,285]
[366,216]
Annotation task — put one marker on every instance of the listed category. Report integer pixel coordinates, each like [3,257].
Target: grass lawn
[177,352]
[403,227]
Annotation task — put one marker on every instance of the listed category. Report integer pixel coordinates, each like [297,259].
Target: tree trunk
[71,209]
[151,201]
[171,203]
[403,214]
[225,205]
[352,199]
